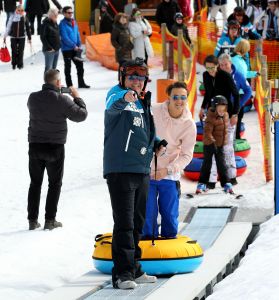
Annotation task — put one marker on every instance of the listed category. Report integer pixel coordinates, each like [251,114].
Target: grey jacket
[49,111]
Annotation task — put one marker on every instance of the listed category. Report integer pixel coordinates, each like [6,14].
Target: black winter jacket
[129,138]
[21,28]
[9,5]
[120,39]
[174,31]
[216,2]
[48,114]
[50,36]
[165,13]
[40,6]
[222,84]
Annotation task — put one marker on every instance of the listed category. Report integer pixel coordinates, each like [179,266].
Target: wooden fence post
[170,60]
[267,135]
[164,46]
[181,75]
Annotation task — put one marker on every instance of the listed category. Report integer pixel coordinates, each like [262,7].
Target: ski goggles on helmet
[136,77]
[136,70]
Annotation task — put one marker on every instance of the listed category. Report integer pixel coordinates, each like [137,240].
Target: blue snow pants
[162,197]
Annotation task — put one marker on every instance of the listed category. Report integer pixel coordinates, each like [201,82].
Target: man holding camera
[71,47]
[49,110]
[129,145]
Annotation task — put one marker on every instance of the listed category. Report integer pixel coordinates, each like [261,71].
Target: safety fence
[262,104]
[178,58]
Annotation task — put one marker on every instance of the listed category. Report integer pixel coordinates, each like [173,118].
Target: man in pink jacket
[174,123]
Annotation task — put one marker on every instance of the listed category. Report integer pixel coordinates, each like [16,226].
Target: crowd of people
[144,152]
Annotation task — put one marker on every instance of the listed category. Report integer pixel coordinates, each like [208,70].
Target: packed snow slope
[35,262]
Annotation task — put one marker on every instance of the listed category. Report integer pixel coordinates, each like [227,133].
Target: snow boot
[211,185]
[52,224]
[125,285]
[144,278]
[233,181]
[201,188]
[228,188]
[34,224]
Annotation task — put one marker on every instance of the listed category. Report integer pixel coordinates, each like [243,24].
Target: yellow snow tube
[164,256]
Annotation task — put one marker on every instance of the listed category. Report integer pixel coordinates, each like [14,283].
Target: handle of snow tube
[106,242]
[100,237]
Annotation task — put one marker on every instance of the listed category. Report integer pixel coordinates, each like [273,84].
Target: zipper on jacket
[128,140]
[17,29]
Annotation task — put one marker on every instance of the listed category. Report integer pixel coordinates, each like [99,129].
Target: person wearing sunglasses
[219,82]
[18,28]
[174,123]
[129,144]
[247,30]
[227,42]
[140,30]
[71,47]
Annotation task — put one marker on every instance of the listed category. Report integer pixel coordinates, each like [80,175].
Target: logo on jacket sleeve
[143,150]
[137,121]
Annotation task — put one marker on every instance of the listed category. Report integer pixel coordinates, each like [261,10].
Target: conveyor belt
[206,223]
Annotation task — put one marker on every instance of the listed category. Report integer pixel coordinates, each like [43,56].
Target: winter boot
[144,278]
[211,185]
[233,181]
[201,187]
[52,224]
[83,86]
[228,188]
[34,224]
[125,285]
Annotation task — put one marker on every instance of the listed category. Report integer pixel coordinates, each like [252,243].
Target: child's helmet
[178,15]
[218,100]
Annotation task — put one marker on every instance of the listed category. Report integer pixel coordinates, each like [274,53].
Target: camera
[65,90]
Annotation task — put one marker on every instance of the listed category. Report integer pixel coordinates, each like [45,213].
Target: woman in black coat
[120,38]
[50,38]
[17,29]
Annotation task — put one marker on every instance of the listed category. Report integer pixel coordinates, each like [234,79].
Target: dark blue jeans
[51,59]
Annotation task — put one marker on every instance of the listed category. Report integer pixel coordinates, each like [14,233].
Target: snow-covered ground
[33,263]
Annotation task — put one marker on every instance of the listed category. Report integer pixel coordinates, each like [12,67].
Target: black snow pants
[68,56]
[17,45]
[208,152]
[128,193]
[51,158]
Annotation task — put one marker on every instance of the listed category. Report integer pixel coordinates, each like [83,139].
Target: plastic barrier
[242,148]
[99,48]
[192,171]
[200,125]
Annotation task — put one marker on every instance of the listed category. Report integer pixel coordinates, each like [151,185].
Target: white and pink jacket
[180,134]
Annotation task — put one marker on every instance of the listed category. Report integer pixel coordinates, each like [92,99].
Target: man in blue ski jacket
[129,145]
[71,47]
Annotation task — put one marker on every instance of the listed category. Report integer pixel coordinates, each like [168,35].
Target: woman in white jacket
[140,30]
